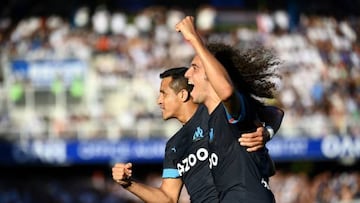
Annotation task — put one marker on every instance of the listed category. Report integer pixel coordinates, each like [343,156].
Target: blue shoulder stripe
[242,113]
[170,173]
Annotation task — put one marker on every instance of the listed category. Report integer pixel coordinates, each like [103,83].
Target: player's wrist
[125,183]
[270,132]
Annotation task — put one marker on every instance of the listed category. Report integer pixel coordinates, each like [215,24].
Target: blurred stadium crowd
[115,93]
[115,96]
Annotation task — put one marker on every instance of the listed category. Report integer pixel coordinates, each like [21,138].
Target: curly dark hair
[251,70]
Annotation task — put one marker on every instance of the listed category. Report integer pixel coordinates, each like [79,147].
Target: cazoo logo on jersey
[201,154]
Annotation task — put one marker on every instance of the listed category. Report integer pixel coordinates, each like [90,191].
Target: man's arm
[254,140]
[215,71]
[272,117]
[168,192]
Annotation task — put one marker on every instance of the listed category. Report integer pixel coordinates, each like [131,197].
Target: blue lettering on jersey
[198,134]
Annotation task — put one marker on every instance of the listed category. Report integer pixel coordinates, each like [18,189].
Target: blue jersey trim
[242,113]
[170,173]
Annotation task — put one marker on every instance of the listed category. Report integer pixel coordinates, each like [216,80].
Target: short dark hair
[179,81]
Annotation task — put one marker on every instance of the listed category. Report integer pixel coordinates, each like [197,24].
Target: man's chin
[196,100]
[193,96]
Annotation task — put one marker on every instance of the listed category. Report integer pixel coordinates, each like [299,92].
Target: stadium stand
[88,84]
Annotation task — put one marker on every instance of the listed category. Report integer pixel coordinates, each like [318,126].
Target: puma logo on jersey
[198,134]
[265,184]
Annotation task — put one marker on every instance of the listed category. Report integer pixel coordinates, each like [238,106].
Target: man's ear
[185,95]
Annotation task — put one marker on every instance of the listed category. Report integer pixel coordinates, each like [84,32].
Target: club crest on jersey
[198,134]
[211,135]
